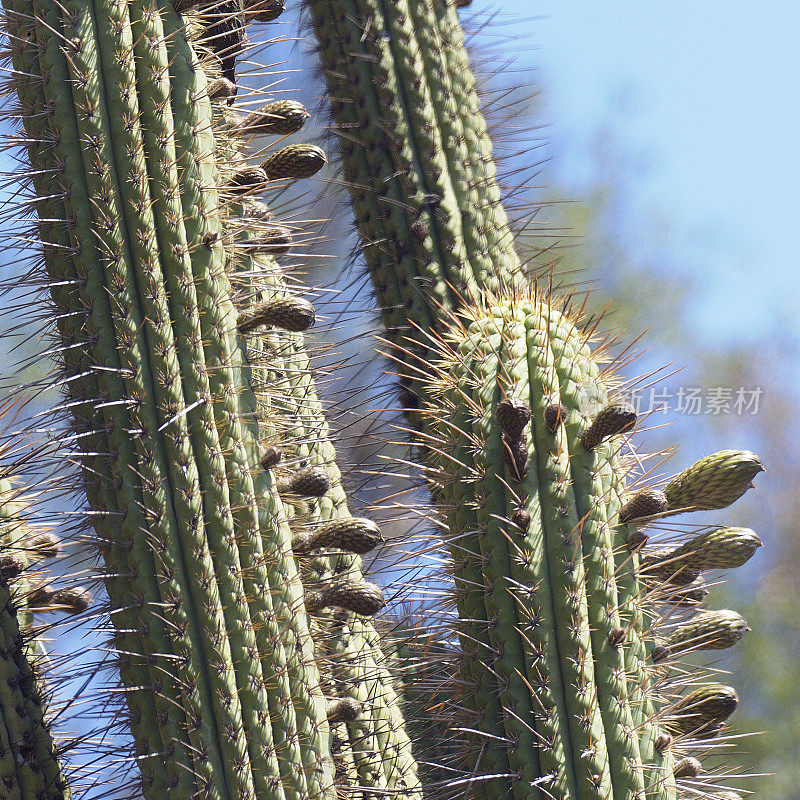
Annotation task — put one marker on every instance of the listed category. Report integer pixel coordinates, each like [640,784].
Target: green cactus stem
[372,750]
[197,547]
[561,656]
[544,625]
[417,159]
[29,760]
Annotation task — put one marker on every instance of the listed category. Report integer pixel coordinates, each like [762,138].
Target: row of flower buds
[294,314]
[513,416]
[40,595]
[674,574]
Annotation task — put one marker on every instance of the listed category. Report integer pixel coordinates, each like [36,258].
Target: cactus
[417,161]
[566,683]
[30,767]
[142,188]
[371,748]
[214,643]
[242,623]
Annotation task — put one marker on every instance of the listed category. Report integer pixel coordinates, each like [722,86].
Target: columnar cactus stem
[416,158]
[550,597]
[121,120]
[371,749]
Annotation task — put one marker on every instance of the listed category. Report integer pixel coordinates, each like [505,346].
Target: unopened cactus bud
[554,415]
[295,161]
[274,241]
[246,180]
[687,768]
[721,548]
[616,636]
[290,313]
[351,534]
[256,210]
[615,418]
[73,600]
[45,545]
[659,653]
[513,415]
[308,482]
[713,482]
[343,709]
[264,10]
[221,89]
[521,518]
[515,457]
[663,743]
[12,564]
[709,630]
[272,457]
[704,707]
[361,598]
[635,540]
[280,118]
[645,504]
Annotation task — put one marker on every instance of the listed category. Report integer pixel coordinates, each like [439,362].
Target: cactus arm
[127,312]
[354,650]
[467,146]
[416,158]
[374,747]
[67,272]
[556,511]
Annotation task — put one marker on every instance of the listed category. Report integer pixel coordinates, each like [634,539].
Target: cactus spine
[556,627]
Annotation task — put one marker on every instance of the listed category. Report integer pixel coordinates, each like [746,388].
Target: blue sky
[708,95]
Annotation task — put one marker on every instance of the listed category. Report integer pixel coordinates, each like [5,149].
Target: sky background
[704,98]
